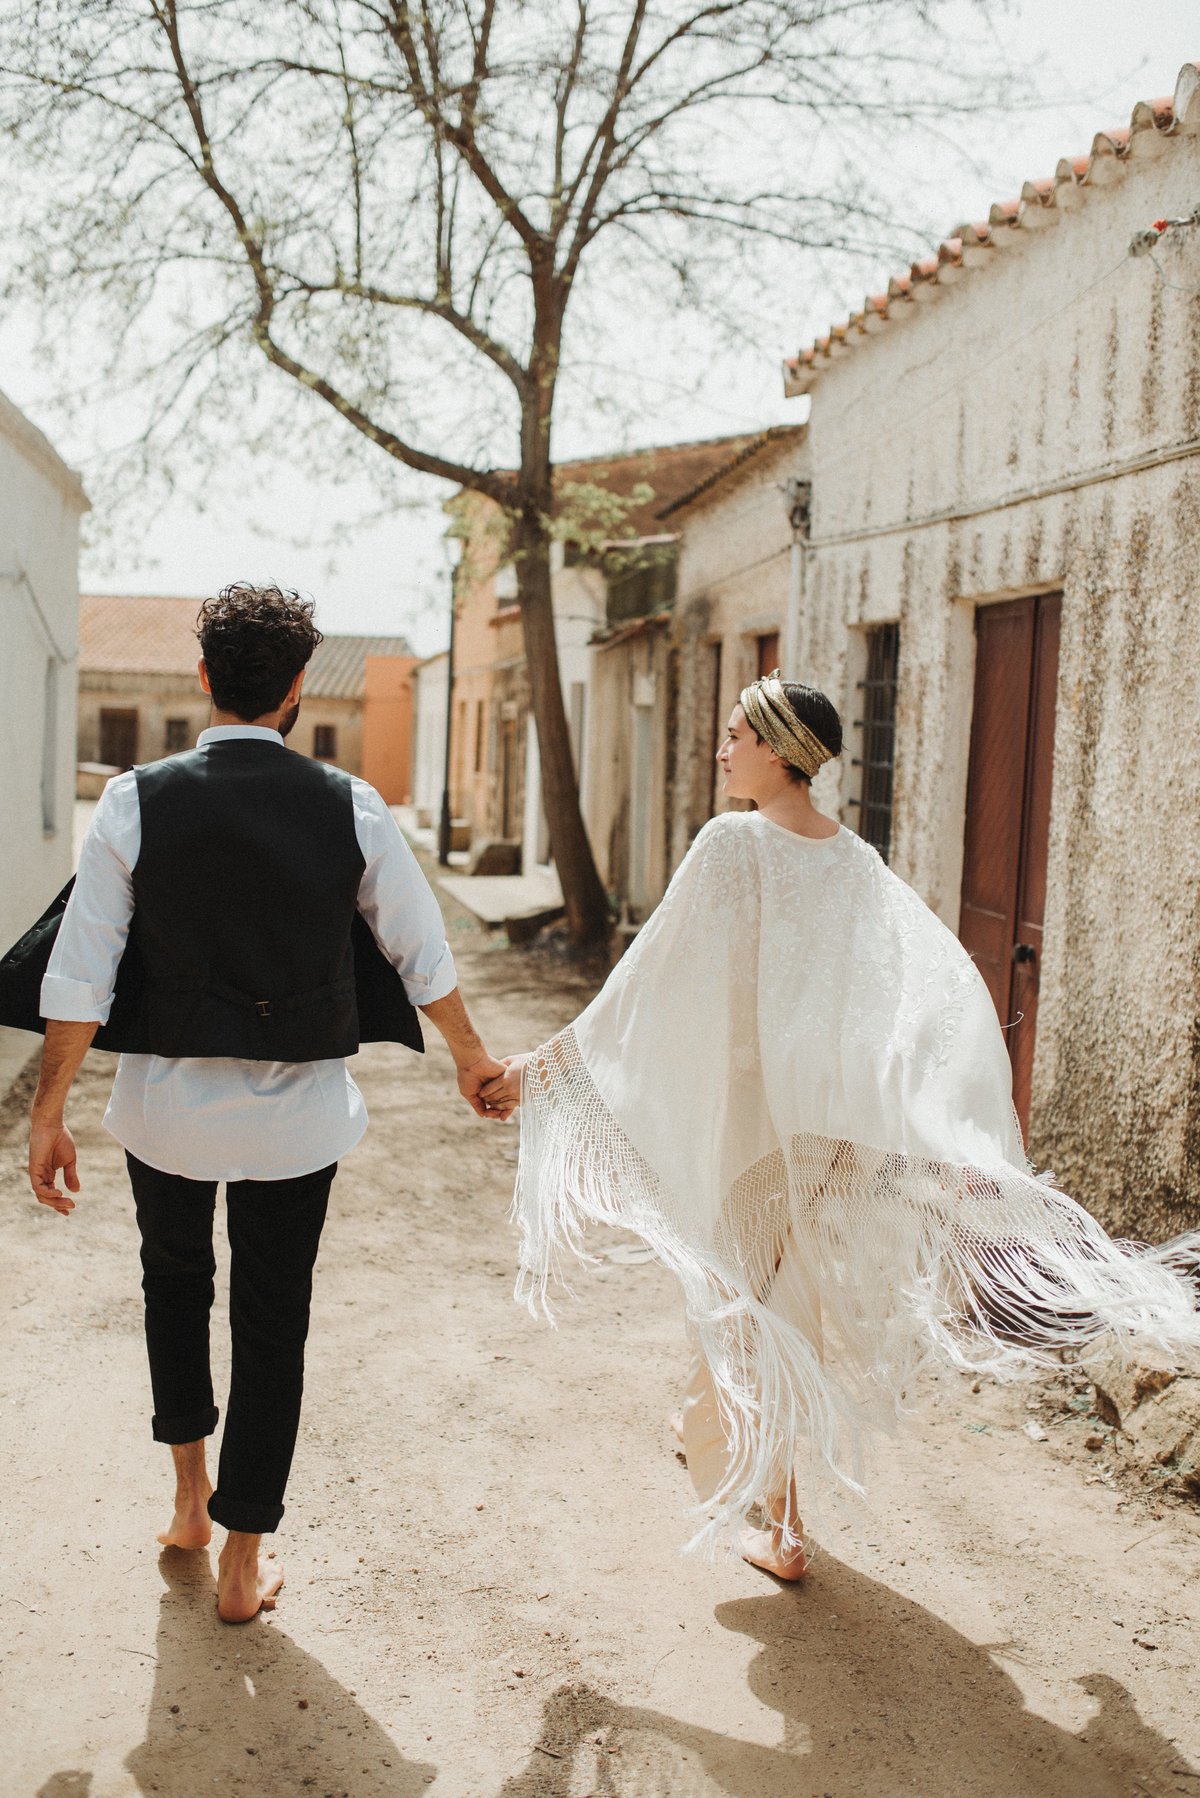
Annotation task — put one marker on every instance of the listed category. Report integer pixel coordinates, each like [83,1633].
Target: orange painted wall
[388,726]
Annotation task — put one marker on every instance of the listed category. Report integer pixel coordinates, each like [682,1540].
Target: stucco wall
[735,569]
[387,726]
[429,735]
[1054,364]
[40,507]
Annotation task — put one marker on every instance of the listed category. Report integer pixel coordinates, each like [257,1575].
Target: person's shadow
[241,1707]
[874,1694]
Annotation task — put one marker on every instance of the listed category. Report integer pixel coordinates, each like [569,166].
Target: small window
[178,735]
[878,727]
[325,742]
[479,728]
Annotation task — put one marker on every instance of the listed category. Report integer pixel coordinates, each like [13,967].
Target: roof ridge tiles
[1151,124]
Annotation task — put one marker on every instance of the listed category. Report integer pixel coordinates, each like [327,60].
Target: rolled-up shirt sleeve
[82,971]
[398,903]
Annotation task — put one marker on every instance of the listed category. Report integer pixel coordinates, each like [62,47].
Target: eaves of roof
[37,448]
[773,436]
[1152,125]
[636,627]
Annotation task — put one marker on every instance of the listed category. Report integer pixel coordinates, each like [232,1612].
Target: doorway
[1008,815]
[118,738]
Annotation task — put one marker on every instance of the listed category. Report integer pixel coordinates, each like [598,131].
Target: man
[221,887]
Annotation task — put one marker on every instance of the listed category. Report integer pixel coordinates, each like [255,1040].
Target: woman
[795,1089]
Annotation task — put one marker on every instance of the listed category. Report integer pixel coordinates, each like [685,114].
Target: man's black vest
[246,940]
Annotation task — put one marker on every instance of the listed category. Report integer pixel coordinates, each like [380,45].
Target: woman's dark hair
[818,713]
[255,641]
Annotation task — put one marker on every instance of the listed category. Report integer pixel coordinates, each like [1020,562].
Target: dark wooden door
[1008,815]
[118,738]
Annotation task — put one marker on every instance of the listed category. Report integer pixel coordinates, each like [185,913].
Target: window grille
[877,726]
[325,742]
[178,735]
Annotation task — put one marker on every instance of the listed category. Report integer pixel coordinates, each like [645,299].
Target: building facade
[1001,590]
[41,504]
[739,561]
[612,564]
[140,697]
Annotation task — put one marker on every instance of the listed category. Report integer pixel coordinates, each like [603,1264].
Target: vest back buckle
[263,1007]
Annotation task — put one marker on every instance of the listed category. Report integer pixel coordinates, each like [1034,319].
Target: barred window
[178,735]
[325,741]
[877,727]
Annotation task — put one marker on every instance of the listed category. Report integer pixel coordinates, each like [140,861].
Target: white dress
[795,1089]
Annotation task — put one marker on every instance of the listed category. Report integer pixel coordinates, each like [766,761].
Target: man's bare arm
[51,1146]
[474,1064]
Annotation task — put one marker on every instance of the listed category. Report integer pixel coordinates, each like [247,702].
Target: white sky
[1097,58]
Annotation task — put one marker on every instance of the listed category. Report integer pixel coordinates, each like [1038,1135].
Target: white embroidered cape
[795,1089]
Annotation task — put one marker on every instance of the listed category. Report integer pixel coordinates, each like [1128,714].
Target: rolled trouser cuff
[246,1514]
[187,1426]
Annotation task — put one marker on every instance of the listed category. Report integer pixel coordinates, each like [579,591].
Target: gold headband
[768,713]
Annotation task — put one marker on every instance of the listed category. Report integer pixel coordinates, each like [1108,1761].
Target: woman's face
[746,759]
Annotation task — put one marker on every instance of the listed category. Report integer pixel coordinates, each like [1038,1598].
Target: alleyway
[485,1597]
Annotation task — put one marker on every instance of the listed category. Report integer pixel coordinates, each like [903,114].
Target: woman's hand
[503,1094]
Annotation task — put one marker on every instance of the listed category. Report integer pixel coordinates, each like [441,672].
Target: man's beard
[289,718]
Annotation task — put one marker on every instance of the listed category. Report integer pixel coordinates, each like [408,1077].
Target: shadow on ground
[874,1694]
[226,1712]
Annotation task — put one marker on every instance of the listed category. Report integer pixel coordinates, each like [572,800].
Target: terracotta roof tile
[1152,125]
[775,434]
[136,633]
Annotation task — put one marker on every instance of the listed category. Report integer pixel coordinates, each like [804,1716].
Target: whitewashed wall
[41,503]
[735,576]
[1020,401]
[429,735]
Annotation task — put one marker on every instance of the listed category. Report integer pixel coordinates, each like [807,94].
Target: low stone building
[739,558]
[41,503]
[612,564]
[140,698]
[1000,587]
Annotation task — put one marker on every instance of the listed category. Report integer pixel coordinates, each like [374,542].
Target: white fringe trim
[915,1264]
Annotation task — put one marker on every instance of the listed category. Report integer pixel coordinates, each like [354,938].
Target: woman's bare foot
[247,1580]
[675,1423]
[190,1527]
[765,1549]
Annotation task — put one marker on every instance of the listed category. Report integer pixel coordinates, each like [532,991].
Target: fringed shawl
[795,1089]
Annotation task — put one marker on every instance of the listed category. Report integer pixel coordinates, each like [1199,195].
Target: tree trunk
[583,894]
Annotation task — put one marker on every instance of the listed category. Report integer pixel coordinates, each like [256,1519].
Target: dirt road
[485,1596]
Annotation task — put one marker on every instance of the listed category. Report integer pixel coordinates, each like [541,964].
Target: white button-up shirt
[216,1118]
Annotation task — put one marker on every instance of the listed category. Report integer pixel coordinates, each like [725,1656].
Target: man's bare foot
[190,1527]
[765,1549]
[247,1579]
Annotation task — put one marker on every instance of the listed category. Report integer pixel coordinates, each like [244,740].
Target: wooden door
[1008,815]
[118,738]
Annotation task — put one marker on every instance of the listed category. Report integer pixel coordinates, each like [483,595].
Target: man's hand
[51,1147]
[480,1073]
[50,1142]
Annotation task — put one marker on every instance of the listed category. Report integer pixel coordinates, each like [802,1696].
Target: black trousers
[274,1232]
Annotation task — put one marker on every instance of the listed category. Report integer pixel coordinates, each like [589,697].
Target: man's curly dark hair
[255,641]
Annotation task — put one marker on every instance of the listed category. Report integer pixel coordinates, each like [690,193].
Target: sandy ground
[485,1595]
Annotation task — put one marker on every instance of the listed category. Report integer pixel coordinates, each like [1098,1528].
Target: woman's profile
[794,1087]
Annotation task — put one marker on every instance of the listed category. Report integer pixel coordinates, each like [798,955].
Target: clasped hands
[492,1088]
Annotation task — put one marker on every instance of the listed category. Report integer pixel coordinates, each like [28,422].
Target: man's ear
[202,671]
